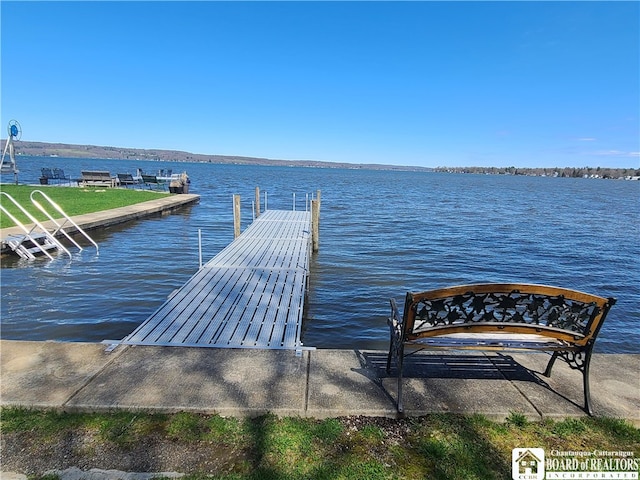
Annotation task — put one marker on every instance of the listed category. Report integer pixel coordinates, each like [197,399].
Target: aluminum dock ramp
[250,295]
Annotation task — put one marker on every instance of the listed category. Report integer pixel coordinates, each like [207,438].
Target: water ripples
[382,234]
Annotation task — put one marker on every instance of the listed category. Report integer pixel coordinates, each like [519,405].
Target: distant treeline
[583,172]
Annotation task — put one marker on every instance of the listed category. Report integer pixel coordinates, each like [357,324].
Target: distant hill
[42,149]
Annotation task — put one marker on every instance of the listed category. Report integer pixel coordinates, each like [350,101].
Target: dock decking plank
[181,319]
[243,313]
[218,307]
[161,317]
[250,295]
[199,318]
[264,335]
[224,307]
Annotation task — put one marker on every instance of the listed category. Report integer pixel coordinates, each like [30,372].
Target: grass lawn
[268,447]
[73,201]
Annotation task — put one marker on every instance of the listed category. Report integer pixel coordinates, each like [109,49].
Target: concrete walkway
[318,383]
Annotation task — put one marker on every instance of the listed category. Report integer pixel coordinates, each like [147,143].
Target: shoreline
[115,216]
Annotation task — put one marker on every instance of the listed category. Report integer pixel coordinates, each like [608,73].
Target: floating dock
[250,295]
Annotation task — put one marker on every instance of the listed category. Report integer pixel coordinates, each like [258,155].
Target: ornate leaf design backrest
[513,307]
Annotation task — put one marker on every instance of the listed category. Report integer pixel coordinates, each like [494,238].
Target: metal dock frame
[250,295]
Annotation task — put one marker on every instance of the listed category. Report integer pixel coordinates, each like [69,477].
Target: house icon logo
[527,464]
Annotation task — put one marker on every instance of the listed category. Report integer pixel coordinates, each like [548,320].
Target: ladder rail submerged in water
[66,217]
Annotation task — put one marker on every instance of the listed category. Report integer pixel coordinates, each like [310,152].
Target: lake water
[382,233]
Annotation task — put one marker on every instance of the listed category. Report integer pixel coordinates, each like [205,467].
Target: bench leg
[547,371]
[577,361]
[397,350]
[585,380]
[400,365]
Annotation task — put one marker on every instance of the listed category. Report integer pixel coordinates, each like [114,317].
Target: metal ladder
[37,239]
[59,226]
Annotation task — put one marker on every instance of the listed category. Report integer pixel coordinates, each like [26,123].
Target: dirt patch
[26,453]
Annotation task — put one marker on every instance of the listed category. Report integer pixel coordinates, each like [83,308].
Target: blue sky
[529,84]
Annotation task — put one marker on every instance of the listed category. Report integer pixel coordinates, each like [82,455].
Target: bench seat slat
[499,341]
[498,329]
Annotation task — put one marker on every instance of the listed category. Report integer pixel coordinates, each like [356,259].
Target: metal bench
[55,175]
[96,179]
[153,182]
[126,179]
[498,317]
[58,174]
[47,176]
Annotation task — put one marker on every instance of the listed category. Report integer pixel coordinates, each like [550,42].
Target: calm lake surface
[382,233]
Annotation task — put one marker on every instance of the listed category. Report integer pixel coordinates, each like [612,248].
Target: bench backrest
[59,174]
[518,308]
[96,176]
[47,173]
[149,178]
[125,177]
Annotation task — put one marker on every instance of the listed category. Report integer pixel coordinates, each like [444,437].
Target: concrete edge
[106,218]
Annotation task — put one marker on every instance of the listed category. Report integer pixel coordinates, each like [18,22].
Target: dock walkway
[250,295]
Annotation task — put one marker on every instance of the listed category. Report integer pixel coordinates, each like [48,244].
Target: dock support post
[315,223]
[200,247]
[257,202]
[236,216]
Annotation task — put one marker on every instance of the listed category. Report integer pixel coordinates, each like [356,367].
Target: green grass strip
[73,201]
[441,446]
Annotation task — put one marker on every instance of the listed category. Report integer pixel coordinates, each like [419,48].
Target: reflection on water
[382,233]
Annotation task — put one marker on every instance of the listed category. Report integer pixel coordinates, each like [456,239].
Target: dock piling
[315,222]
[257,202]
[236,216]
[199,248]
